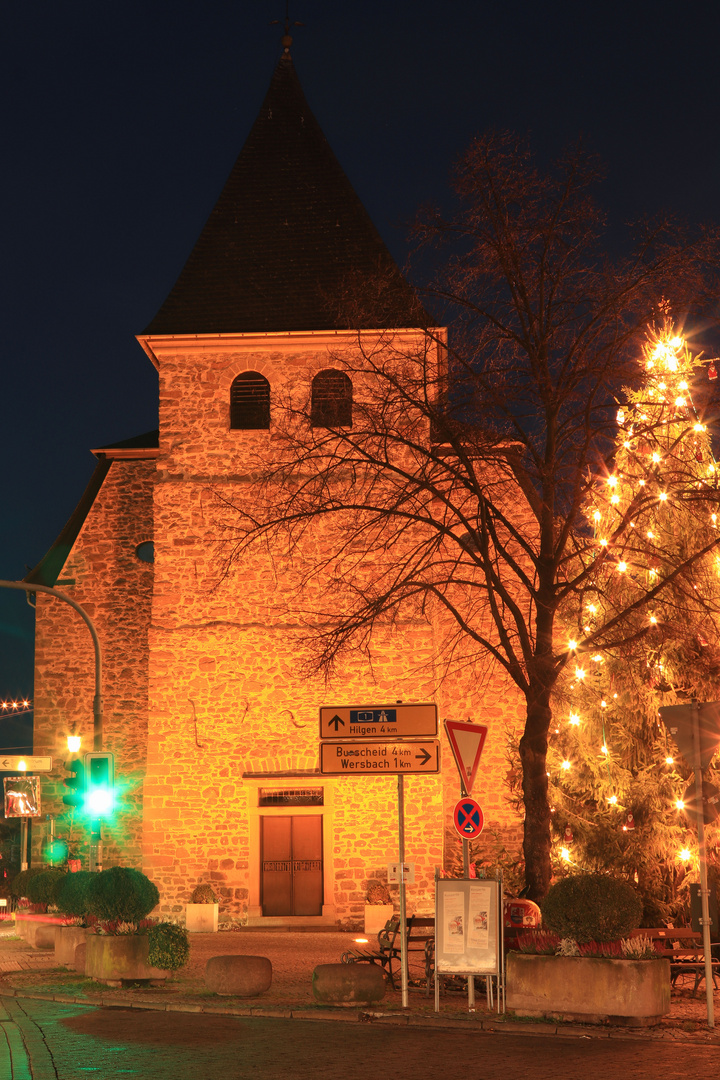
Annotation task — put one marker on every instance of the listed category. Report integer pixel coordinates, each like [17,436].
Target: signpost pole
[23,843]
[403,908]
[703,867]
[466,874]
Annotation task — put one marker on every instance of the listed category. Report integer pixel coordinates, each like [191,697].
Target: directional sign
[27,763]
[468,819]
[466,743]
[379,758]
[378,721]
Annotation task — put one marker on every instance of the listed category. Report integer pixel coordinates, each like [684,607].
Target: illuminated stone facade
[215,732]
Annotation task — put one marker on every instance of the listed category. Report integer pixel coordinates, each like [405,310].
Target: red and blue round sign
[468,818]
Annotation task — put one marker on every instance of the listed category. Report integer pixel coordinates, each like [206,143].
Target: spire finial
[286,39]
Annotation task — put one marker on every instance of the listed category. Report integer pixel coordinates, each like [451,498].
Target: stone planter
[201,918]
[376,915]
[37,931]
[113,959]
[630,992]
[67,938]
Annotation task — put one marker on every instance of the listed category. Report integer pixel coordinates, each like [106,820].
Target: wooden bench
[388,950]
[684,949]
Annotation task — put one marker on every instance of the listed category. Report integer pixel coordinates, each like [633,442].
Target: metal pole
[703,869]
[24,862]
[51,823]
[27,587]
[403,909]
[466,875]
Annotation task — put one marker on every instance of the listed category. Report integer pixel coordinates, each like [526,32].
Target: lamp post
[49,590]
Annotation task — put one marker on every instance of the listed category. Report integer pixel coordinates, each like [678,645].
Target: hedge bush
[72,896]
[43,888]
[592,907]
[20,883]
[121,893]
[203,894]
[169,946]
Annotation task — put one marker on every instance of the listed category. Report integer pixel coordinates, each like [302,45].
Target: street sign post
[378,722]
[25,763]
[379,758]
[696,730]
[468,818]
[466,742]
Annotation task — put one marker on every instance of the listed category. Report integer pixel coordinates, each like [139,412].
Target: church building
[214,730]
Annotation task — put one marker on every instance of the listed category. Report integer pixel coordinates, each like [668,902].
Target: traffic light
[75,782]
[99,784]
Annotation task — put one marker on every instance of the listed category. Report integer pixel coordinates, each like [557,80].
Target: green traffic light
[99,801]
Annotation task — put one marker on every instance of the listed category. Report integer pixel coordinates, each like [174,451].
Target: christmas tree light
[650,634]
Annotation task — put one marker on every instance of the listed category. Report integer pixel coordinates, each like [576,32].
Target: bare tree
[460,490]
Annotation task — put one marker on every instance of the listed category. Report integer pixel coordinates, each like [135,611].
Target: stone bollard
[79,959]
[348,984]
[244,976]
[44,936]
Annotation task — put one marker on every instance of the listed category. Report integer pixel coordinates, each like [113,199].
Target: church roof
[288,243]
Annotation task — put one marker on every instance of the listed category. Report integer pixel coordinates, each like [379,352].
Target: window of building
[331,404]
[250,402]
[291,797]
[146,551]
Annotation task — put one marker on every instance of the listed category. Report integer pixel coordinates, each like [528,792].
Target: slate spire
[288,243]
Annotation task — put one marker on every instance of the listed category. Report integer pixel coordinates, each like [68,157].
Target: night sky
[122,121]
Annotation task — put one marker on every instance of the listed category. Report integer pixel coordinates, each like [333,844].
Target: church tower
[214,728]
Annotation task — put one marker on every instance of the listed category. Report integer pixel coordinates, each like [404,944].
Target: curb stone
[487,1027]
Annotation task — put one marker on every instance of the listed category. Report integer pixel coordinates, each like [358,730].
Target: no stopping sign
[468,818]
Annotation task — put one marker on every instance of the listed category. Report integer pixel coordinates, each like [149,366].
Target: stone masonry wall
[115,588]
[227,701]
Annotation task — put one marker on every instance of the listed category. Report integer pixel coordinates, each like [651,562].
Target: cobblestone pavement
[51,1041]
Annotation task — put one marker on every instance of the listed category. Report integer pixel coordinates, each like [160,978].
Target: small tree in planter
[201,914]
[592,974]
[120,898]
[72,902]
[42,888]
[378,906]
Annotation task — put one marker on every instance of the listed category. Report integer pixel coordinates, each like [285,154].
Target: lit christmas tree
[616,781]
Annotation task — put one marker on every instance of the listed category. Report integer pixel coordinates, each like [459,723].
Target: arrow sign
[26,762]
[389,722]
[373,758]
[468,819]
[678,719]
[336,722]
[466,742]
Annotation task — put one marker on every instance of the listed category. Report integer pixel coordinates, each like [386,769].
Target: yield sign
[468,818]
[679,721]
[466,743]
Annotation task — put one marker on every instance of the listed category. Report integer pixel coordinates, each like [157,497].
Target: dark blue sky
[123,120]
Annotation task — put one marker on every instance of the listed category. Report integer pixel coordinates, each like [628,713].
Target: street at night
[50,1040]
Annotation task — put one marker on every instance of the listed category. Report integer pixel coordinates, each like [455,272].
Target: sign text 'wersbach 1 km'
[379,758]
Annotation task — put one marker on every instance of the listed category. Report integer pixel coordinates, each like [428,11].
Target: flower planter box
[201,918]
[630,992]
[111,959]
[376,915]
[38,931]
[67,938]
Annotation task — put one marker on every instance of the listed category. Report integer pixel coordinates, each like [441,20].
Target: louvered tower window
[331,404]
[250,402]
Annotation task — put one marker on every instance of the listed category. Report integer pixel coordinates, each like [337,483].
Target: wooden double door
[292,865]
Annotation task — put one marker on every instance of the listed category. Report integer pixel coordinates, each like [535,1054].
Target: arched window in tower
[331,404]
[250,402]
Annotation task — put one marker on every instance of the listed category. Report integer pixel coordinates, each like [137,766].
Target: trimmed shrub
[169,946]
[203,894]
[72,898]
[121,893]
[377,892]
[43,888]
[21,881]
[592,907]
